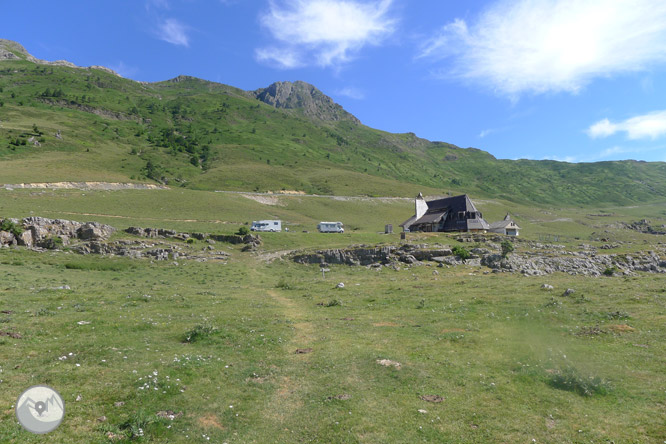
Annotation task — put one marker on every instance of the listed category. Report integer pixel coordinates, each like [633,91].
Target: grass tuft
[199,333]
[570,380]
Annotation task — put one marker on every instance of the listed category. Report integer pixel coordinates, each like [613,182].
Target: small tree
[507,247]
[243,231]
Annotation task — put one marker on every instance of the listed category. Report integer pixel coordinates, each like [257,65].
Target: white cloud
[647,126]
[352,93]
[323,32]
[174,32]
[283,57]
[541,46]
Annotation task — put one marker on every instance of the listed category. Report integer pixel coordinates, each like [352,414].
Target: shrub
[461,252]
[8,225]
[243,231]
[610,271]
[569,380]
[190,240]
[507,247]
[284,285]
[199,332]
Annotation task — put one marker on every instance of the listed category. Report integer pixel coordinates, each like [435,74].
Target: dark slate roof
[431,217]
[477,224]
[455,204]
[408,222]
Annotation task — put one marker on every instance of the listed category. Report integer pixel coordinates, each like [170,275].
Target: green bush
[461,252]
[8,225]
[610,271]
[243,231]
[507,247]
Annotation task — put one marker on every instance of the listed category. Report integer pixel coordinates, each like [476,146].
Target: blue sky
[569,80]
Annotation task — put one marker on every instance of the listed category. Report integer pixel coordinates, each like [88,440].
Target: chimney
[420,205]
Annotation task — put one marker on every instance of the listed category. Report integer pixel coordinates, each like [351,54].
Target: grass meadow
[502,359]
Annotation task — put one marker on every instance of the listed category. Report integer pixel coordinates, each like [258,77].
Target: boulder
[7,238]
[94,231]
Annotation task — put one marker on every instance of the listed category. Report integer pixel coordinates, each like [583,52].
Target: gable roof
[504,223]
[454,204]
[431,217]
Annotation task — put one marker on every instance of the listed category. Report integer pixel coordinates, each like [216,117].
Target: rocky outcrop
[645,226]
[253,240]
[148,250]
[305,97]
[576,264]
[10,50]
[50,233]
[364,255]
[531,264]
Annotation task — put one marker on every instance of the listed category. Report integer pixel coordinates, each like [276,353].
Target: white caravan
[330,227]
[266,225]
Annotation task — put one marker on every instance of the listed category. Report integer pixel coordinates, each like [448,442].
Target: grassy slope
[488,344]
[112,127]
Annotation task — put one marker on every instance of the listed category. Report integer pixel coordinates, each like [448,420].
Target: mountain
[303,97]
[10,50]
[59,122]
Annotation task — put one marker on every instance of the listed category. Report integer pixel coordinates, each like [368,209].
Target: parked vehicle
[330,227]
[266,225]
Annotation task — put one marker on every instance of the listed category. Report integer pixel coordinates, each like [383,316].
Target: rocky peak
[10,50]
[302,96]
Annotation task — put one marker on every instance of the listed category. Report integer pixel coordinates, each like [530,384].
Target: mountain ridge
[63,124]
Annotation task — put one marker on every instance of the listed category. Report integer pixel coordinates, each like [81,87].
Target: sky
[566,80]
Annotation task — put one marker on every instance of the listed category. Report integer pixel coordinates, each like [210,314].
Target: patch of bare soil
[263,199]
[432,398]
[210,421]
[10,334]
[385,324]
[591,331]
[341,397]
[168,414]
[621,328]
[303,351]
[389,363]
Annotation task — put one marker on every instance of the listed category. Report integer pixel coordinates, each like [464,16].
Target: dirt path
[104,186]
[288,398]
[115,216]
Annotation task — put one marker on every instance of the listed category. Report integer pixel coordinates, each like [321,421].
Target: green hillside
[62,123]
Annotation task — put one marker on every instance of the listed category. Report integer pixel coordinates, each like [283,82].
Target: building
[506,226]
[456,213]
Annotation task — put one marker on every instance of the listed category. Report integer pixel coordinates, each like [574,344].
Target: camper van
[330,227]
[266,225]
